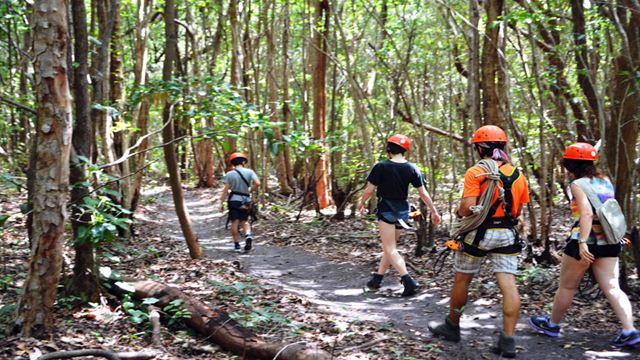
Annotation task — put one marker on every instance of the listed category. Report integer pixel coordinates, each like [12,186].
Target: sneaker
[411,287]
[236,246]
[375,282]
[505,347]
[448,330]
[247,242]
[628,340]
[542,325]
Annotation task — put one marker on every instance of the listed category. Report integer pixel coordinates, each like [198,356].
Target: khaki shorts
[493,239]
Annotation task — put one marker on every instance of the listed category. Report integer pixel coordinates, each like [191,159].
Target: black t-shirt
[392,180]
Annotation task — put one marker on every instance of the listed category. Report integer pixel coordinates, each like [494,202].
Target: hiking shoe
[448,330]
[627,340]
[236,246]
[375,282]
[411,287]
[247,242]
[542,324]
[505,347]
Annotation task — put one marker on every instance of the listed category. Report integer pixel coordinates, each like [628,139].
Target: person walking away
[498,188]
[587,246]
[238,184]
[390,179]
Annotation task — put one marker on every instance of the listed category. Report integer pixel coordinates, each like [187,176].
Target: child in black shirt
[391,179]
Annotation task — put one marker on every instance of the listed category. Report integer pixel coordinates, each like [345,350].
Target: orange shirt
[519,188]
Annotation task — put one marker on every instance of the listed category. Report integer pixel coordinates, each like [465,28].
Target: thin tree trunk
[84,282]
[35,307]
[272,90]
[236,59]
[585,80]
[141,112]
[492,113]
[286,110]
[319,51]
[168,137]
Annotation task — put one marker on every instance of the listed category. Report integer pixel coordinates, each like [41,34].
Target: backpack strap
[585,185]
[491,221]
[245,181]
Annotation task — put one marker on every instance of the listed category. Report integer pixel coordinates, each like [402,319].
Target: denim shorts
[391,217]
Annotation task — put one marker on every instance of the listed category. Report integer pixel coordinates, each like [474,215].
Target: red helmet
[489,133]
[581,151]
[237,155]
[400,140]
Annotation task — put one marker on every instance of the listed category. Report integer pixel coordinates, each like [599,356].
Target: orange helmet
[581,151]
[400,140]
[237,155]
[489,133]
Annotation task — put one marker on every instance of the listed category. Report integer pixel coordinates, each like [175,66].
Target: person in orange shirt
[496,238]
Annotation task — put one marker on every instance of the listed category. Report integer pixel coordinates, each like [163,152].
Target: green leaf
[3,219]
[150,301]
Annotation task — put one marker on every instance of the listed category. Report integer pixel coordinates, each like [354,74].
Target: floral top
[604,189]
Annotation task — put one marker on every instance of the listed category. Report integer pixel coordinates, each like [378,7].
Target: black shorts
[598,251]
[237,211]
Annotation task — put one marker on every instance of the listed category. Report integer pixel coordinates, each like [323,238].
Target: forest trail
[337,287]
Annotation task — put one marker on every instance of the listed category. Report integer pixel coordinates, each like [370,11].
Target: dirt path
[337,288]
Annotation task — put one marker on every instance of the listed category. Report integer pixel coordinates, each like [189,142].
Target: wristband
[582,241]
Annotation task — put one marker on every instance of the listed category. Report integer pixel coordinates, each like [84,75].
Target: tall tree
[170,56]
[272,89]
[141,111]
[53,140]
[319,50]
[85,278]
[492,111]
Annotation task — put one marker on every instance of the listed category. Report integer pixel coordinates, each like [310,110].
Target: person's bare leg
[388,237]
[459,295]
[384,264]
[510,301]
[571,273]
[234,231]
[606,271]
[246,227]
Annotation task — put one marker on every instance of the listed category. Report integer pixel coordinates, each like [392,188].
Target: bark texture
[319,51]
[490,64]
[35,307]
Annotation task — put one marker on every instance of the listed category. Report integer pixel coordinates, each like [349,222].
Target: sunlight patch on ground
[348,292]
[605,354]
[444,301]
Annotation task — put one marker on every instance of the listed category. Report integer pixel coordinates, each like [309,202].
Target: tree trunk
[236,60]
[319,51]
[35,307]
[490,64]
[167,134]
[141,111]
[286,110]
[99,79]
[272,90]
[84,282]
[587,83]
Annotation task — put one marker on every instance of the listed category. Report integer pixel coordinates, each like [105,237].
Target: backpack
[610,214]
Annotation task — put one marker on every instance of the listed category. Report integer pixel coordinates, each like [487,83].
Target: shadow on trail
[337,287]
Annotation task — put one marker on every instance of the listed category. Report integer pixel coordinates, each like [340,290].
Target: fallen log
[110,355]
[218,327]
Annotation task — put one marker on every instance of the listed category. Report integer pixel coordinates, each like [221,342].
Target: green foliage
[176,311]
[106,217]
